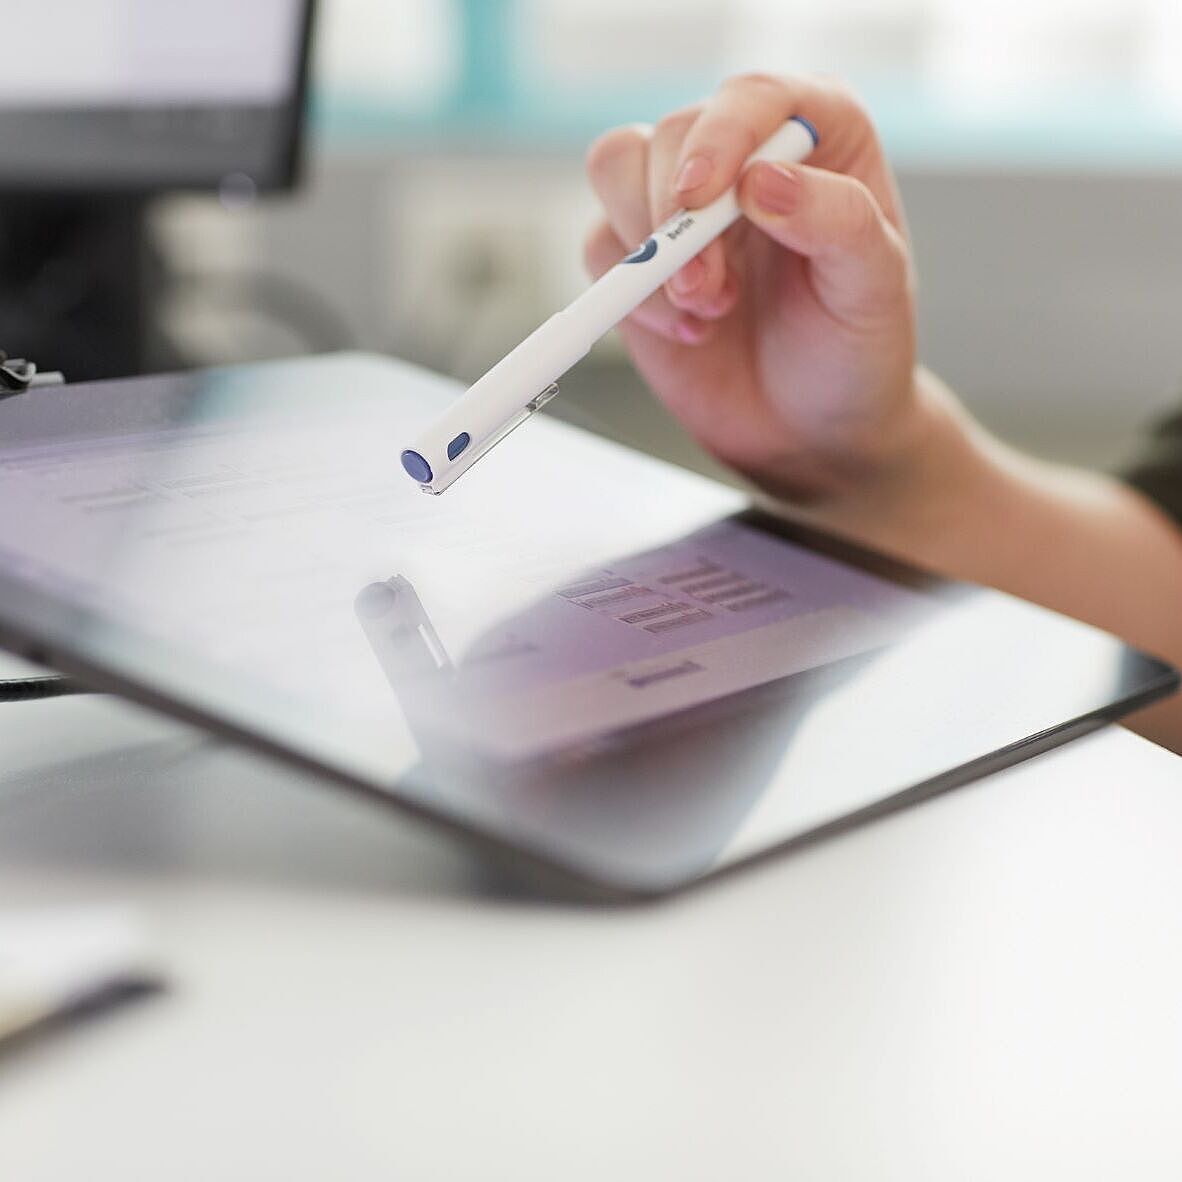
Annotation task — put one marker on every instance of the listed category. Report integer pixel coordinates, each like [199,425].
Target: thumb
[860,262]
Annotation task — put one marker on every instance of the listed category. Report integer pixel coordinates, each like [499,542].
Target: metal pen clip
[482,449]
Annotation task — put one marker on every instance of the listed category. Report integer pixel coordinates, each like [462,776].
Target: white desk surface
[988,985]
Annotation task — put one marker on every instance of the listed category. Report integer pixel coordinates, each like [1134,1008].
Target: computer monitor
[105,104]
[145,96]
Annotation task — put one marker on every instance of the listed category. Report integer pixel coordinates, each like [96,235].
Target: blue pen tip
[416,467]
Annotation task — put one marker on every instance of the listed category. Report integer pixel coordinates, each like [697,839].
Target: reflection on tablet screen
[702,618]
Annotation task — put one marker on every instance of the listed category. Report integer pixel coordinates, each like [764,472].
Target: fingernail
[689,278]
[693,173]
[776,190]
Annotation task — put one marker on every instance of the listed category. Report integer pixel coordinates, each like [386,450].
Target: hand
[787,347]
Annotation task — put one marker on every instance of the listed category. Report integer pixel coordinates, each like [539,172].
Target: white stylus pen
[527,378]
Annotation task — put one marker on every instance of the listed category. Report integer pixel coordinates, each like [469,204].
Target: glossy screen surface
[586,653]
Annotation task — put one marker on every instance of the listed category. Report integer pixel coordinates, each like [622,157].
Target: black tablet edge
[967,773]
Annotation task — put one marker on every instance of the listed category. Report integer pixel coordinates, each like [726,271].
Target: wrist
[911,498]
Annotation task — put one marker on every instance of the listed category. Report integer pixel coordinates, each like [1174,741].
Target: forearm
[966,505]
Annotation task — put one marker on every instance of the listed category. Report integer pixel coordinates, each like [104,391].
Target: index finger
[748,108]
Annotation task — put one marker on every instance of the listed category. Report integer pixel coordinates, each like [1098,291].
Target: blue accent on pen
[642,253]
[416,467]
[458,444]
[813,132]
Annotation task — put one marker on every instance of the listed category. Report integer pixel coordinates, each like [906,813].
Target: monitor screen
[151,94]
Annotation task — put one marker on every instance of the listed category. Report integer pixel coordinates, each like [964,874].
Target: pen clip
[482,449]
[537,403]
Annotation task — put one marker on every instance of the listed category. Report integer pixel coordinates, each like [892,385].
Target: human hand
[787,347]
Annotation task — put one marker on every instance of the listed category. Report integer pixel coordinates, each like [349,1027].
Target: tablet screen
[575,646]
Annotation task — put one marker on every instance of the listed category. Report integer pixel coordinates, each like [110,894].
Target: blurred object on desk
[58,963]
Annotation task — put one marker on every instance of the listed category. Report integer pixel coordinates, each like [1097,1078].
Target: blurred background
[164,202]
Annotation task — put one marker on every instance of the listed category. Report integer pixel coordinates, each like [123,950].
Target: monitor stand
[80,283]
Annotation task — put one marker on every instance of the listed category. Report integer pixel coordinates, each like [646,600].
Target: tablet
[605,670]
